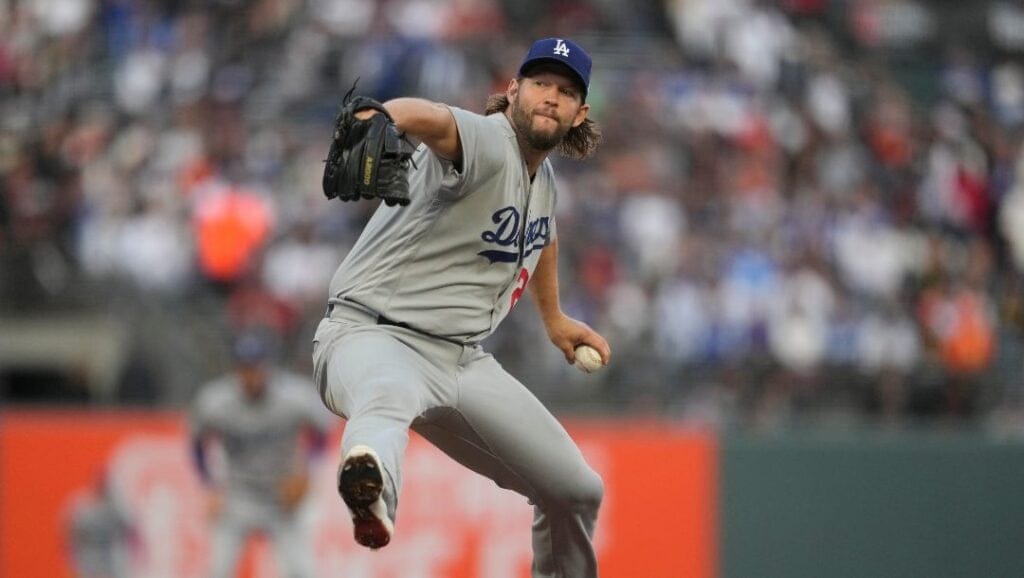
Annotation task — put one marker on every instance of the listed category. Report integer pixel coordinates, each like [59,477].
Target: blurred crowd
[800,208]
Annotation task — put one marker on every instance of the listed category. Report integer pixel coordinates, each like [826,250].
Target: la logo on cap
[561,48]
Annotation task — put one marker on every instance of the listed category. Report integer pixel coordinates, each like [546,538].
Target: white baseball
[588,360]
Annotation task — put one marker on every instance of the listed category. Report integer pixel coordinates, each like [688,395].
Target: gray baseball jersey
[260,438]
[455,261]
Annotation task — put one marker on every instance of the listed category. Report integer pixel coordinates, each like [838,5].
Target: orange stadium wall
[658,521]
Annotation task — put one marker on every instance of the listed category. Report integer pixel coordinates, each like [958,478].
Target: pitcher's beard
[535,139]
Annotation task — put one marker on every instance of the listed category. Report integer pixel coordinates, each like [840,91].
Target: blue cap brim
[576,74]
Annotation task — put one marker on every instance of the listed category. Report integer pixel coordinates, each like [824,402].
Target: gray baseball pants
[385,380]
[240,520]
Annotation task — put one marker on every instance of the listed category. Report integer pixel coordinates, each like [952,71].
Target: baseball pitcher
[466,227]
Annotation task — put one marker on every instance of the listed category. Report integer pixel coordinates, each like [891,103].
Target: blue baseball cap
[561,51]
[250,348]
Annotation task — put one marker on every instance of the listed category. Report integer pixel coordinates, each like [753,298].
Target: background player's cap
[250,348]
[562,51]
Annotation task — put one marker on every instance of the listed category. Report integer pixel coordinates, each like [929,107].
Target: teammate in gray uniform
[262,417]
[425,283]
[100,534]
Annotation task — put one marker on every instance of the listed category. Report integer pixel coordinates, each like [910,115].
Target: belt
[376,317]
[382,320]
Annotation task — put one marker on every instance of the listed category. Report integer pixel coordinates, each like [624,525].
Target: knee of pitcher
[584,495]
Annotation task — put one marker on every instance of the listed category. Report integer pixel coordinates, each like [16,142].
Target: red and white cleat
[361,485]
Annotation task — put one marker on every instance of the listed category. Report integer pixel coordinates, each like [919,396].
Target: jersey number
[524,278]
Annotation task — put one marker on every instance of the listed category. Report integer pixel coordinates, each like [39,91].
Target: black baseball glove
[368,158]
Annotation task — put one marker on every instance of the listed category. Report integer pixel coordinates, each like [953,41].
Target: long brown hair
[579,143]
